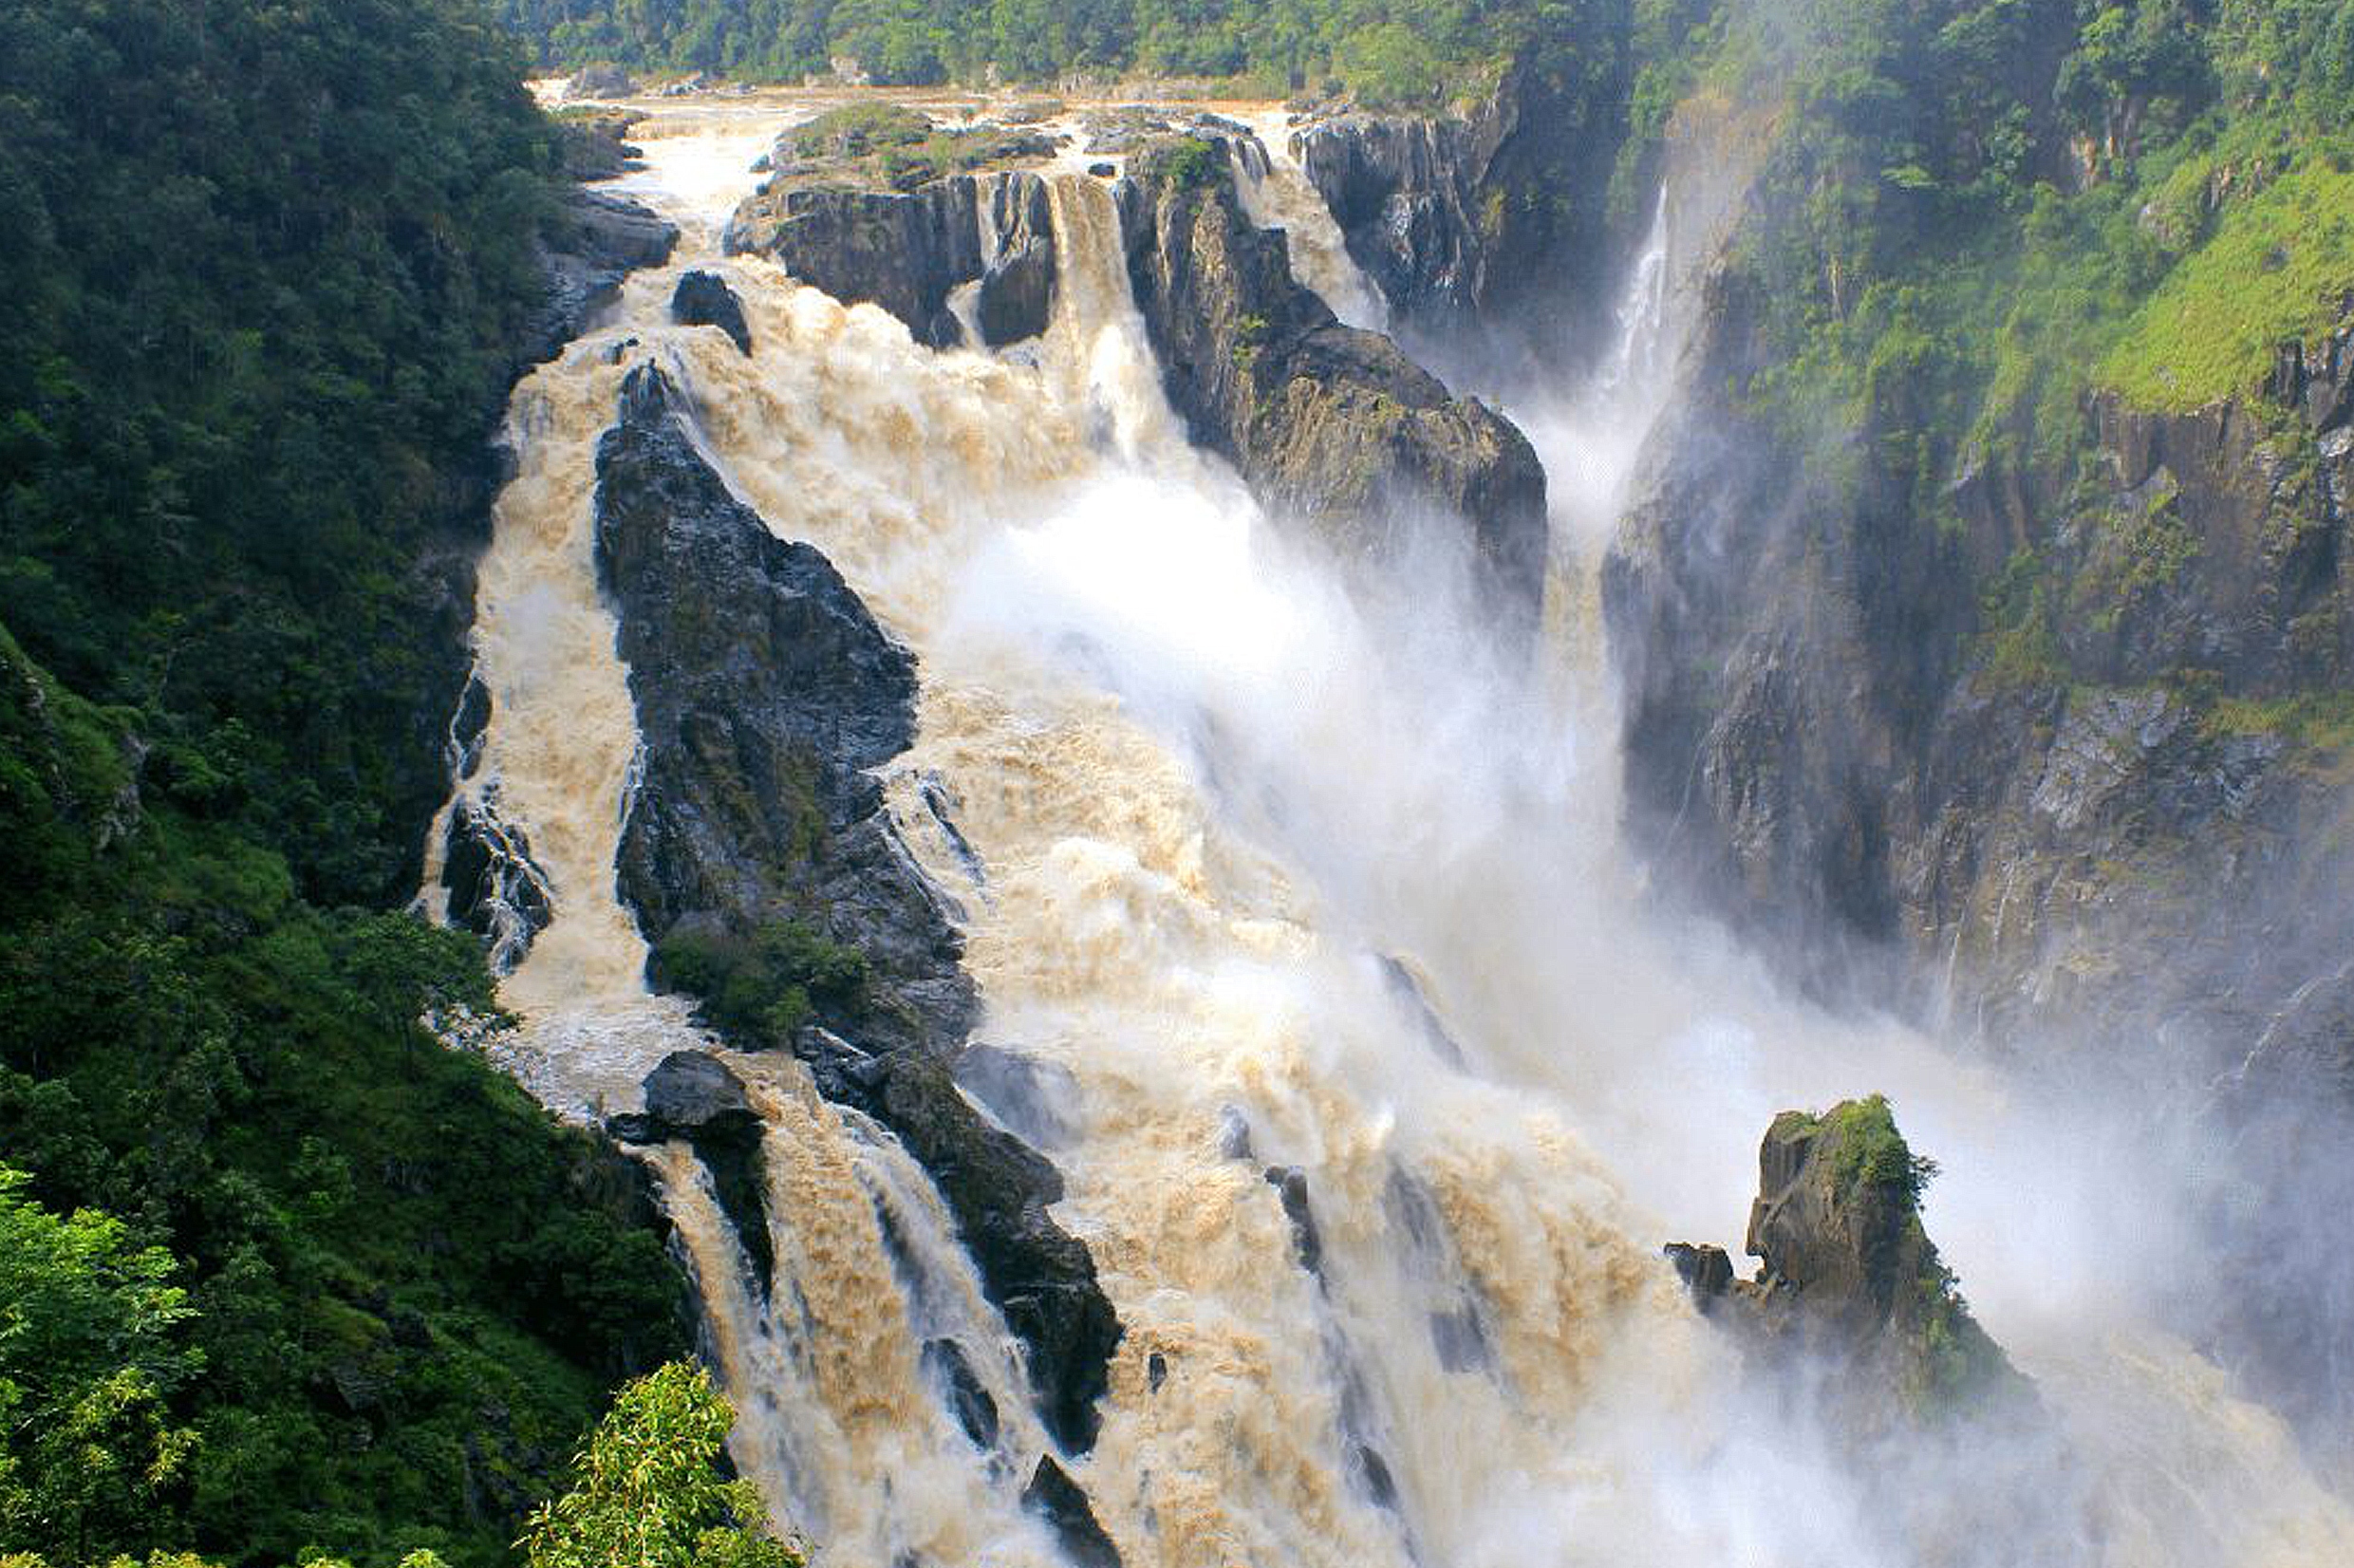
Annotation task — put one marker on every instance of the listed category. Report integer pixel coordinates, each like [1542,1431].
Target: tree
[647,1492]
[91,1351]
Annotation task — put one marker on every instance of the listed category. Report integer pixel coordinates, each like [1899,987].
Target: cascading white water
[1225,814]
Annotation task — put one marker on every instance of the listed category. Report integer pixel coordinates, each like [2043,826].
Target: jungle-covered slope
[270,271]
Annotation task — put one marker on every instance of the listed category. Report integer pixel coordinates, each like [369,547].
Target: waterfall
[1375,1095]
[1276,194]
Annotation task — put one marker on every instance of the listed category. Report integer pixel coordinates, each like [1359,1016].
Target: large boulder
[704,299]
[694,1096]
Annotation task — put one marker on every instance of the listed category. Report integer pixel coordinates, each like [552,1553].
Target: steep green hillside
[268,262]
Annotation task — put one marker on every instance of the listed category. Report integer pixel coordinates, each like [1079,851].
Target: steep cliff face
[761,863]
[2103,799]
[1327,422]
[1498,220]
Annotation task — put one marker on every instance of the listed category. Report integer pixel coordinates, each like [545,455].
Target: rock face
[704,299]
[907,252]
[765,693]
[1324,421]
[1500,216]
[2064,768]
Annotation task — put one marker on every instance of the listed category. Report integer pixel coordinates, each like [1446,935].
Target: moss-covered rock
[1848,1276]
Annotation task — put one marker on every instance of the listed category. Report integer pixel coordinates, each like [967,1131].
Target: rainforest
[1177,783]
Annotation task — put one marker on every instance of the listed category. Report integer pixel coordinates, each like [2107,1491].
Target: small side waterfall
[1384,1249]
[1276,194]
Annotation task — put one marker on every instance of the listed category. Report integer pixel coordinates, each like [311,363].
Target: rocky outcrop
[765,693]
[1325,421]
[1493,225]
[1857,1323]
[693,1095]
[496,890]
[1847,1275]
[907,252]
[1056,1498]
[593,242]
[761,862]
[704,299]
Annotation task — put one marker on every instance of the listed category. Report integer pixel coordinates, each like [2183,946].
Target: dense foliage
[649,1490]
[269,262]
[1386,51]
[266,261]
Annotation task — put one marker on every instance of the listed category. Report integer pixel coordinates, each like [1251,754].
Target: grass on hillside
[2279,266]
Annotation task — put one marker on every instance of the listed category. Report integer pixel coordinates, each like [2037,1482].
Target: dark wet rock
[1056,1498]
[1156,1371]
[1325,421]
[1460,1340]
[766,693]
[1234,1133]
[1103,170]
[1707,1271]
[704,299]
[1369,1473]
[1400,982]
[1017,297]
[593,243]
[906,250]
[496,890]
[694,1096]
[467,725]
[1291,1188]
[969,1401]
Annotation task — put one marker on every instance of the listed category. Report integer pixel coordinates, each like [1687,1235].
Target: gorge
[1245,1142]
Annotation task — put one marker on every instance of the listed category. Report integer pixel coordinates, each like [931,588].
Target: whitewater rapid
[1258,865]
